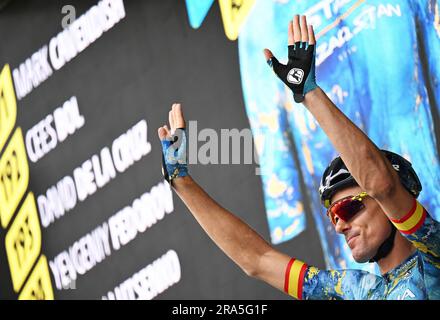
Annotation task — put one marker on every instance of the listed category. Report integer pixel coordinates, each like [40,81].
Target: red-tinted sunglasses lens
[345,209]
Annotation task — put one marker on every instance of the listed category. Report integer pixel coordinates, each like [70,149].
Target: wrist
[181,182]
[312,95]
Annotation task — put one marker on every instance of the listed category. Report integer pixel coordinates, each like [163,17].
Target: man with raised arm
[370,196]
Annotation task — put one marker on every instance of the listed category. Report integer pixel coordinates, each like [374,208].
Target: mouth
[351,239]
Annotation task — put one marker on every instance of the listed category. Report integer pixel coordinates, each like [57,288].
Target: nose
[341,226]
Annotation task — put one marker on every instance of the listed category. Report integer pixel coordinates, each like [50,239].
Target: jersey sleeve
[304,282]
[422,230]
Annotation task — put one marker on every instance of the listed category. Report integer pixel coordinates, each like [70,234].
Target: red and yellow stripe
[412,221]
[294,279]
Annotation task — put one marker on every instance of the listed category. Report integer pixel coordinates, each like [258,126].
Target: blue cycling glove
[299,73]
[174,157]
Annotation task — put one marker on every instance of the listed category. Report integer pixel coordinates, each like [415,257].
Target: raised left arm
[369,167]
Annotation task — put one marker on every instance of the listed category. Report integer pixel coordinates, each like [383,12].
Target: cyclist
[370,195]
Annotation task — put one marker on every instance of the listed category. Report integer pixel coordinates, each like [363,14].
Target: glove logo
[295,76]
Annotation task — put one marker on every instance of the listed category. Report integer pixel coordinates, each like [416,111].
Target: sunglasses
[346,208]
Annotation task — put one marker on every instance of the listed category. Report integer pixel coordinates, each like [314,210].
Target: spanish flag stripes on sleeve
[412,221]
[294,278]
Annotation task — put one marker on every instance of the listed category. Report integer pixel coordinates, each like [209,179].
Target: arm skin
[239,241]
[371,170]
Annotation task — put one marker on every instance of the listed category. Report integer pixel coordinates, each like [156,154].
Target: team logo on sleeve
[295,76]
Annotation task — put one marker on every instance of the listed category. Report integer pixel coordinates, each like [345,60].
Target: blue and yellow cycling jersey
[418,277]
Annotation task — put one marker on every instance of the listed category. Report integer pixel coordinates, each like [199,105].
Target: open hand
[299,73]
